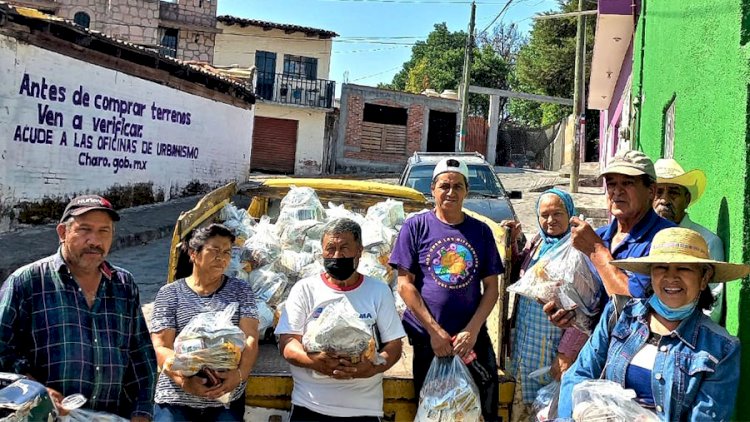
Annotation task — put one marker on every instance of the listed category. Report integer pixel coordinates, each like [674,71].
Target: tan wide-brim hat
[679,245]
[670,171]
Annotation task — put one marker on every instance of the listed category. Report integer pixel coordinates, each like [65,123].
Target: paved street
[148,263]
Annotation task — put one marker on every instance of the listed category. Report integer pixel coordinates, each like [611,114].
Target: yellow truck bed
[270,384]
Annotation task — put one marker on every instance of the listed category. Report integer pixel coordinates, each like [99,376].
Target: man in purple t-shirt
[445,260]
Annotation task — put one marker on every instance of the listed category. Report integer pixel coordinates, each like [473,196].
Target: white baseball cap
[451,165]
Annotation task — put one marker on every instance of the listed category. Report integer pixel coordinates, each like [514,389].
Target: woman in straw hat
[680,364]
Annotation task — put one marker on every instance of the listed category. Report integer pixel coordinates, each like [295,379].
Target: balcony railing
[287,89]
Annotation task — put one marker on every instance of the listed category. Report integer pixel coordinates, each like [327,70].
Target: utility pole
[578,99]
[468,52]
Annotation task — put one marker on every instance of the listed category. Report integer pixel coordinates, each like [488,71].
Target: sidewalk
[137,225]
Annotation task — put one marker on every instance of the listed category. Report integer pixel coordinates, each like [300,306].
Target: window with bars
[300,67]
[168,44]
[82,19]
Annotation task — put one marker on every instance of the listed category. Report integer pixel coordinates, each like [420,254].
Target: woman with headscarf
[536,341]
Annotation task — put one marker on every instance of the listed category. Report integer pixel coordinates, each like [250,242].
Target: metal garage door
[274,145]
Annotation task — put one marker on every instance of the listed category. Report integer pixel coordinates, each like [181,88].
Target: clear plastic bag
[340,330]
[268,284]
[291,262]
[449,393]
[564,276]
[372,266]
[263,248]
[238,221]
[298,205]
[265,316]
[334,212]
[389,213]
[209,340]
[296,233]
[604,400]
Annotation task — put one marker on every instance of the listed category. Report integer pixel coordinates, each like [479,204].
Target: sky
[389,27]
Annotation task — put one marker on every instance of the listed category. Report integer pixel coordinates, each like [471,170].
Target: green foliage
[546,66]
[437,63]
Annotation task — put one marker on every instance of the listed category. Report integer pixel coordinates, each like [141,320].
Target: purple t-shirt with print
[449,263]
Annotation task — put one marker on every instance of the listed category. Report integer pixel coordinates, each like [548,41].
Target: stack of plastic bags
[271,257]
[564,276]
[449,393]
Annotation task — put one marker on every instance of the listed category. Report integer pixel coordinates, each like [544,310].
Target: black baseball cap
[85,203]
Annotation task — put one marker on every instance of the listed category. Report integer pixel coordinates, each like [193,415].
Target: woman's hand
[230,380]
[197,387]
[514,227]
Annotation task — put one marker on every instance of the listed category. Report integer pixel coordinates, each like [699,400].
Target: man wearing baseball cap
[73,322]
[448,265]
[630,182]
[676,190]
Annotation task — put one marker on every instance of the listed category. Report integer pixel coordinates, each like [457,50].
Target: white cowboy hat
[679,245]
[670,171]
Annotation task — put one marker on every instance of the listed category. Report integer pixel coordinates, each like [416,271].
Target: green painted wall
[694,52]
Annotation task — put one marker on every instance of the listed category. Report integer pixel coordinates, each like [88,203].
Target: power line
[377,74]
[459,2]
[498,15]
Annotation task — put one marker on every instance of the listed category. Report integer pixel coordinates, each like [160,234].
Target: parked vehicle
[270,385]
[487,196]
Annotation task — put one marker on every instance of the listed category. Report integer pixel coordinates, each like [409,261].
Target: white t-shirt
[341,398]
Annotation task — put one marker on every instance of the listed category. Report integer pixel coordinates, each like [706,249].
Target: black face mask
[339,268]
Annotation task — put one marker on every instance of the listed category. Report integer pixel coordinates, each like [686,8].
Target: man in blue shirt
[630,180]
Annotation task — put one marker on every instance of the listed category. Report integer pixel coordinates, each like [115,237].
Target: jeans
[303,414]
[488,391]
[176,413]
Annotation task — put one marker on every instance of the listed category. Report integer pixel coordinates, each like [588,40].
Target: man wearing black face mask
[328,386]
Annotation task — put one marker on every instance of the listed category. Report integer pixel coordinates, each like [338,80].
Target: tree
[546,66]
[437,63]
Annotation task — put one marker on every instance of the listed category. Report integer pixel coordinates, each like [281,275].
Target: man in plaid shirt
[73,322]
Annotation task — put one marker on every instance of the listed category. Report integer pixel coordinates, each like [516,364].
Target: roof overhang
[614,32]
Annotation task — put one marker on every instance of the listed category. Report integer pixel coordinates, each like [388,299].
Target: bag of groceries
[605,400]
[208,341]
[564,276]
[449,393]
[339,330]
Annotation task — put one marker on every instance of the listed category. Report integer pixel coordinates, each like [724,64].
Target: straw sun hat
[679,245]
[670,171]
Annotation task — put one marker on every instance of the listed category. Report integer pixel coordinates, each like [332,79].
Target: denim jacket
[695,376]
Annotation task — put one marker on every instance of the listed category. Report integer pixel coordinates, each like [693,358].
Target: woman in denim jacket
[681,364]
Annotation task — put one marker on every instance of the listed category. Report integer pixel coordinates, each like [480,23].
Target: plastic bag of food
[268,284]
[545,396]
[371,265]
[389,213]
[334,212]
[298,205]
[209,340]
[449,393]
[564,277]
[263,248]
[315,268]
[295,234]
[238,221]
[238,268]
[265,316]
[291,262]
[605,400]
[339,330]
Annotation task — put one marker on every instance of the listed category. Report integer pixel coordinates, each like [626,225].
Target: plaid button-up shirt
[48,331]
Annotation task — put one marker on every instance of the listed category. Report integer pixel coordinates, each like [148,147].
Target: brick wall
[414,128]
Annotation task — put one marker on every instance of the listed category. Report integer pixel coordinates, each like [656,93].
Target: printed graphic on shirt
[452,262]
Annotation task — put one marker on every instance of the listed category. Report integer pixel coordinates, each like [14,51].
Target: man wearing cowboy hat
[676,190]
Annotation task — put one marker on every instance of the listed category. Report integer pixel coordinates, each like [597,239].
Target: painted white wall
[218,136]
[237,46]
[310,144]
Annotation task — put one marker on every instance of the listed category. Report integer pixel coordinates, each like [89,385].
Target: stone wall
[136,21]
[196,45]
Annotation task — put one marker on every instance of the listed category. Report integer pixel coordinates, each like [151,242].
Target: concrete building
[294,93]
[183,29]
